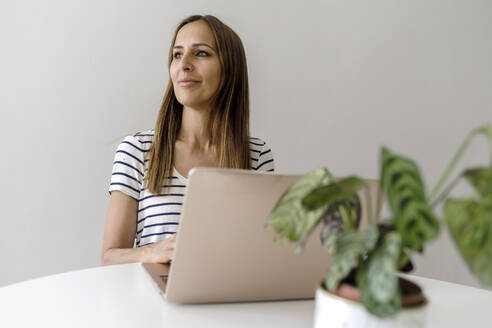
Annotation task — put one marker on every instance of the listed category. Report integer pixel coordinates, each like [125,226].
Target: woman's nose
[186,63]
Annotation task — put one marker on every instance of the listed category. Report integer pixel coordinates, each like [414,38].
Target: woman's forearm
[124,255]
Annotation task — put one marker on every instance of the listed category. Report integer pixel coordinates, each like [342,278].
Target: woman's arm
[119,231]
[119,234]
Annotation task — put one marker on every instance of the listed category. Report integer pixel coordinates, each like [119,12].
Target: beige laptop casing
[225,253]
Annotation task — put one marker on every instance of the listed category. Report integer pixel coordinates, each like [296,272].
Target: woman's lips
[187,83]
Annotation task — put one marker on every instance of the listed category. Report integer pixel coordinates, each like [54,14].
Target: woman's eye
[202,53]
[177,55]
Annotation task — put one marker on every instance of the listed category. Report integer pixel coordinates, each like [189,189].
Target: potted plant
[366,261]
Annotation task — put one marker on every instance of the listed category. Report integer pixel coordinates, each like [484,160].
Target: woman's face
[195,68]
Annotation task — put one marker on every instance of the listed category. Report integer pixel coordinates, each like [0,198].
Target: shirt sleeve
[128,168]
[265,160]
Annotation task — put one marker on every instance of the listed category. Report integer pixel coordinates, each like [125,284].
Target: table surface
[124,296]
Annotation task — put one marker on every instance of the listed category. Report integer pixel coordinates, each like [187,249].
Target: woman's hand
[160,252]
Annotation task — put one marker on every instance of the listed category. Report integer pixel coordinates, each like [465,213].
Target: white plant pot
[336,312]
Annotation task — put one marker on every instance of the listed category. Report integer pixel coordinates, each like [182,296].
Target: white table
[123,296]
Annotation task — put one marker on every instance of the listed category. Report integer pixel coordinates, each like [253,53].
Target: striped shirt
[158,215]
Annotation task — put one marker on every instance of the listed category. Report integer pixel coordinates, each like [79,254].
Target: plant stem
[379,199]
[445,192]
[490,149]
[369,206]
[379,202]
[453,162]
[487,130]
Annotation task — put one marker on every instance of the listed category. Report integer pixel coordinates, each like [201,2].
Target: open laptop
[225,253]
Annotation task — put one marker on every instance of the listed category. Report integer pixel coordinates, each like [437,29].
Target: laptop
[225,253]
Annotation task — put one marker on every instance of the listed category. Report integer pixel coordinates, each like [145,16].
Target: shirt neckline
[180,177]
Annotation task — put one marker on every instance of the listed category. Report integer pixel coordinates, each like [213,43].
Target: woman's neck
[192,131]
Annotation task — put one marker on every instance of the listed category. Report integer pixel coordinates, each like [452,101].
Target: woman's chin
[192,103]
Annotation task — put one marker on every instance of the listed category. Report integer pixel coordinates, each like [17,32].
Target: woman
[203,121]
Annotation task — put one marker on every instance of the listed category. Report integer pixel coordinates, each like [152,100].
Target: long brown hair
[228,120]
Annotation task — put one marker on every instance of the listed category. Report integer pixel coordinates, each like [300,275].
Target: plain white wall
[331,81]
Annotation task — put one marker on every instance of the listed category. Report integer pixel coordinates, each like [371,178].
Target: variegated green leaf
[289,219]
[417,225]
[350,211]
[329,235]
[379,309]
[349,246]
[400,175]
[487,129]
[470,224]
[394,167]
[304,185]
[381,271]
[481,180]
[339,217]
[414,218]
[482,267]
[334,192]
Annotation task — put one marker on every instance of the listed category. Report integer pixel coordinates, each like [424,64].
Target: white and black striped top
[158,215]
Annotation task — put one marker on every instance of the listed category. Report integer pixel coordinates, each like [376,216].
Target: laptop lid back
[225,253]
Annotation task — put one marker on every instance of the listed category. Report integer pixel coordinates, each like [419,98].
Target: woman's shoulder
[258,144]
[261,155]
[144,136]
[256,141]
[142,139]
[137,144]
[255,147]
